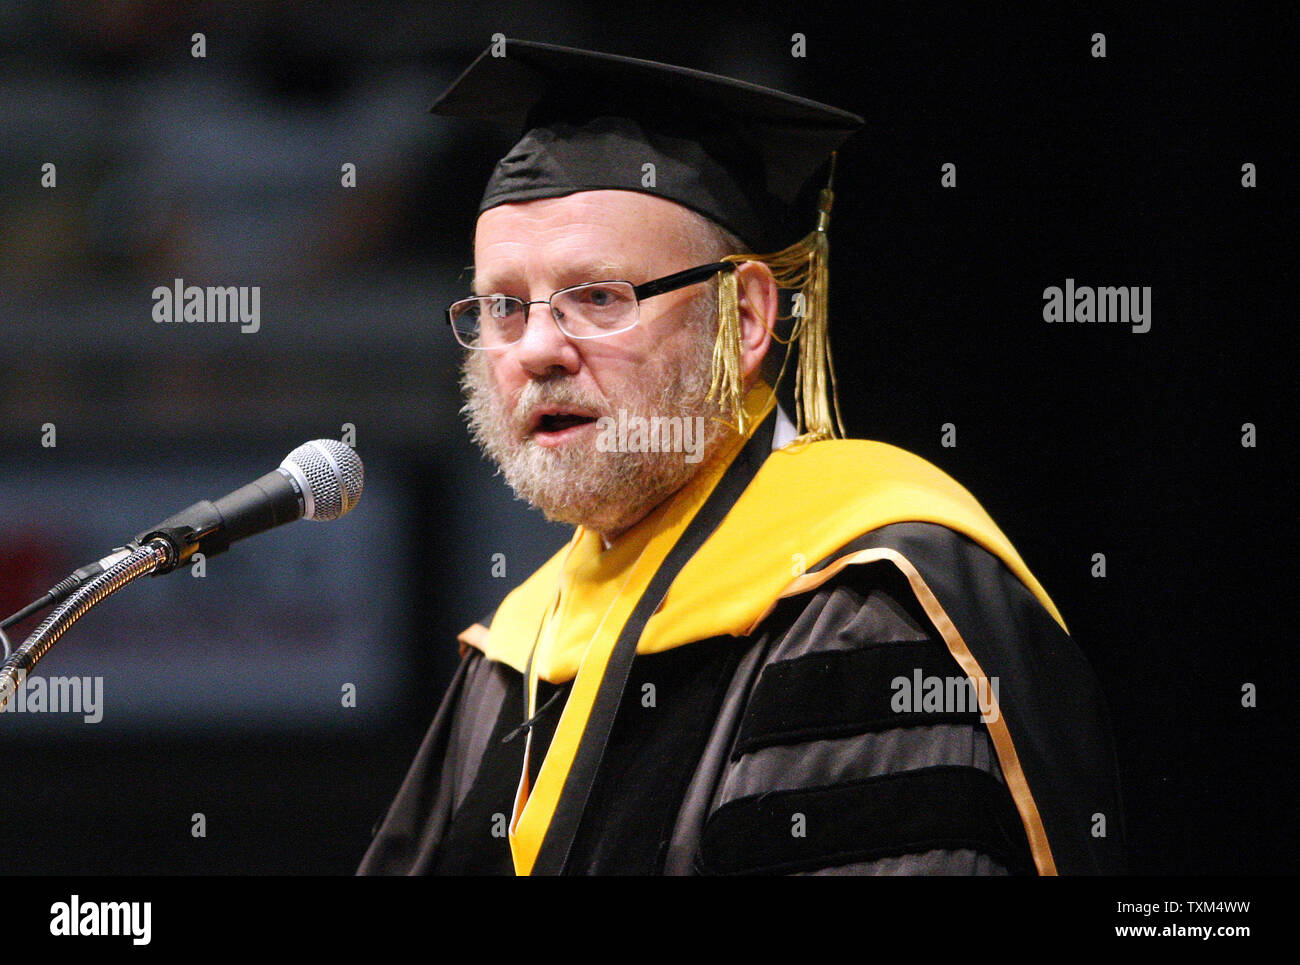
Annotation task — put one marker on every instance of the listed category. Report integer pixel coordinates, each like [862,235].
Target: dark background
[226,171]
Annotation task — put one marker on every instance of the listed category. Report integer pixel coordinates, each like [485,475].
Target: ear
[757,301]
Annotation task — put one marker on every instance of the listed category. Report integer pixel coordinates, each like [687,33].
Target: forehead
[608,233]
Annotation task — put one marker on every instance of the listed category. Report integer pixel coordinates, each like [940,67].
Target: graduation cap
[747,157]
[742,155]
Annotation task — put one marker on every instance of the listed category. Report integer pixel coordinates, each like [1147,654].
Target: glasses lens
[601,308]
[488,321]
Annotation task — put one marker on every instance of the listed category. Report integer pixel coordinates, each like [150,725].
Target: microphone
[319,480]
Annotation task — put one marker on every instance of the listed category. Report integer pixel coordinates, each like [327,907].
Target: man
[764,649]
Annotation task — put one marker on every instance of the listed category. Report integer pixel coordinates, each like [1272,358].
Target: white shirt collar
[784,431]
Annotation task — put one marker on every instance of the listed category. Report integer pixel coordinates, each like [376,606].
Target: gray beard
[577,483]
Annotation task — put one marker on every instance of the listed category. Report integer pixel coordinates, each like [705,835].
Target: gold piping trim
[475,636]
[1008,759]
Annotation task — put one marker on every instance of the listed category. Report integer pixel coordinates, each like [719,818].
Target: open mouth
[555,424]
[560,421]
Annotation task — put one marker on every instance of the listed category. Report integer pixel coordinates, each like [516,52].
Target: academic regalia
[741,683]
[755,729]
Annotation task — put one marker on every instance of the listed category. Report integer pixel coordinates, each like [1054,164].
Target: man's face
[533,406]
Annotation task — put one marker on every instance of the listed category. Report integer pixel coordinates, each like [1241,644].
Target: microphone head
[331,476]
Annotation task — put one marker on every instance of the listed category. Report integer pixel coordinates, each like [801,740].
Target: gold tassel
[724,383]
[804,267]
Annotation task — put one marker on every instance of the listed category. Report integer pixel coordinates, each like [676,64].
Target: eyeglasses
[594,310]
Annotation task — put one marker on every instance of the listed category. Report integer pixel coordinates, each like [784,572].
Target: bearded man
[767,651]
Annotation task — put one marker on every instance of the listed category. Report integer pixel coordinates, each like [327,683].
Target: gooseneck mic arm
[141,562]
[60,591]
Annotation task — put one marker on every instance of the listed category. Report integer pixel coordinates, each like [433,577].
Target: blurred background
[223,694]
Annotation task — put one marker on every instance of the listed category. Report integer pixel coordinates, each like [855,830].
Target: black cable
[47,600]
[63,589]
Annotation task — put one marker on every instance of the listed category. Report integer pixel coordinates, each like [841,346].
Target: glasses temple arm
[681,279]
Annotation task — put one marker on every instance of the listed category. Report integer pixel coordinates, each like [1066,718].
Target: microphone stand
[142,561]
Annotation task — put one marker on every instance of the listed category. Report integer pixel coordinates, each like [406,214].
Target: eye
[600,296]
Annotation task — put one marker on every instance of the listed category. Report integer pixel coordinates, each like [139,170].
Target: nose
[544,350]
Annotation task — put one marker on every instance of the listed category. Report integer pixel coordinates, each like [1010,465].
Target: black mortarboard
[744,156]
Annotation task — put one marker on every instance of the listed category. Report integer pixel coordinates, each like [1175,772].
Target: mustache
[561,392]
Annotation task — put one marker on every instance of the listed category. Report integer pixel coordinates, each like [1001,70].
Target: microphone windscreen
[331,475]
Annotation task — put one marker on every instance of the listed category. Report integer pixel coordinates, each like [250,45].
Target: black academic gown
[784,751]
